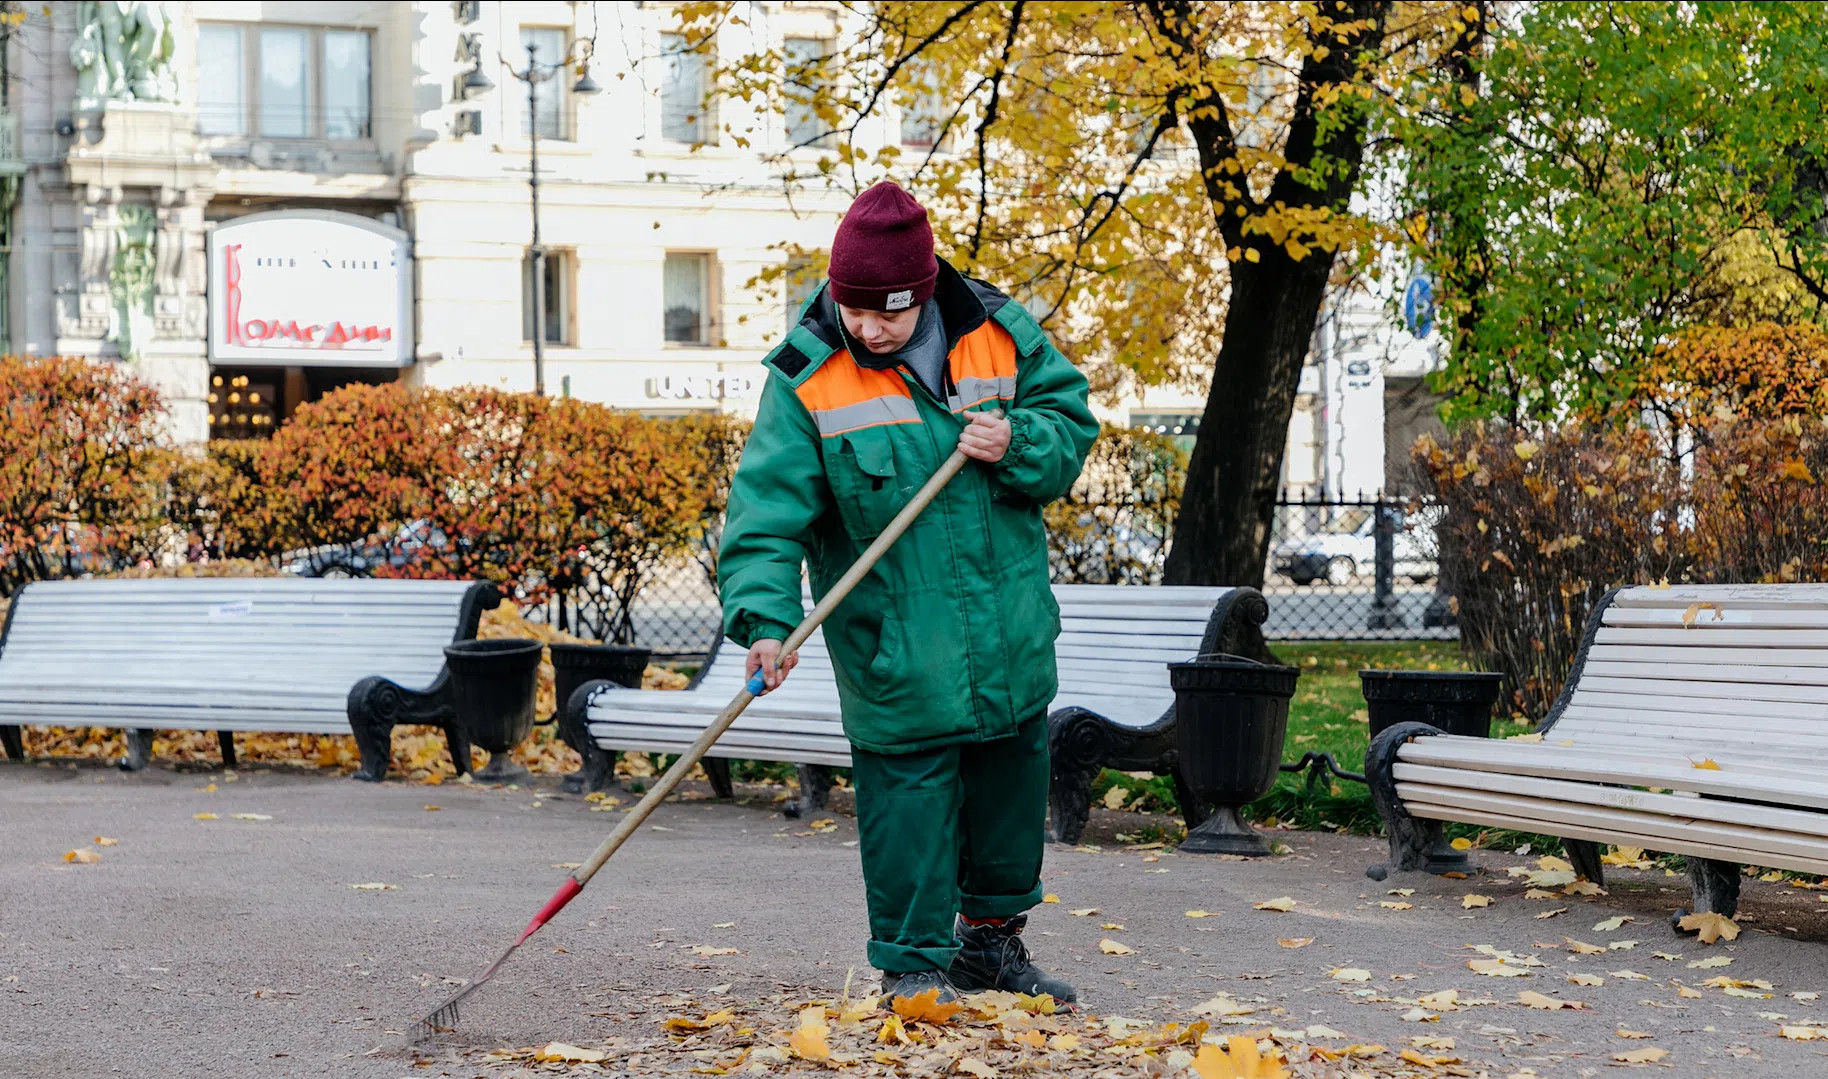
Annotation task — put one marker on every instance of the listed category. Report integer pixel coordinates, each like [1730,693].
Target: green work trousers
[958,829]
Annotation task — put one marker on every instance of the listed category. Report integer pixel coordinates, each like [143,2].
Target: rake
[445,1017]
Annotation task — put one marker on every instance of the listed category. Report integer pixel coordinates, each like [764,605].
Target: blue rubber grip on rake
[756,684]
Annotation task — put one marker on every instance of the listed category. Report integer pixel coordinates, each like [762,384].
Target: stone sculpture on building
[130,284]
[123,52]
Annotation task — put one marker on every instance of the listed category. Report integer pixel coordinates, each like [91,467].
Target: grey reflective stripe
[973,390]
[893,409]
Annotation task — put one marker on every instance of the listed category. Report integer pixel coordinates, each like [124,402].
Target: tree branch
[983,129]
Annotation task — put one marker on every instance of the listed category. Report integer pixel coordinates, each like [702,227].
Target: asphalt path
[234,947]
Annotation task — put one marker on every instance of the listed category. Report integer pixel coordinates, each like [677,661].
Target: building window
[559,276]
[221,89]
[243,404]
[549,47]
[284,82]
[685,93]
[924,114]
[805,62]
[686,298]
[801,282]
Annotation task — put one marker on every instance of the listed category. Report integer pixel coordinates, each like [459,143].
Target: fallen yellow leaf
[1610,924]
[1238,1060]
[809,1041]
[1112,925]
[1474,899]
[1462,843]
[1650,1054]
[1112,947]
[1586,979]
[560,1053]
[433,809]
[1685,991]
[1551,913]
[1497,968]
[1547,1004]
[250,816]
[1063,1042]
[82,857]
[1404,892]
[375,886]
[1581,947]
[204,816]
[709,952]
[974,1066]
[1712,925]
[1707,763]
[1201,914]
[893,1033]
[926,1008]
[1351,974]
[1050,898]
[1694,611]
[1395,904]
[1623,1033]
[1283,904]
[1444,1001]
[1083,912]
[1294,942]
[104,841]
[1800,1033]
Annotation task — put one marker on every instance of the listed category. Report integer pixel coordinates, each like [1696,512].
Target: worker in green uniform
[944,655]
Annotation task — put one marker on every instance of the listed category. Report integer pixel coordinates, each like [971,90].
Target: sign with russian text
[310,288]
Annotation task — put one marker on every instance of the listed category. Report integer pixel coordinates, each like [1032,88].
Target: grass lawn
[1327,715]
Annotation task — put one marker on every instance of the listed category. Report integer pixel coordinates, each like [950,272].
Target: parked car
[362,558]
[1346,549]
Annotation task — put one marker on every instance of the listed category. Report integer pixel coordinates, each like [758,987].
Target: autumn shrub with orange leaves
[82,474]
[537,494]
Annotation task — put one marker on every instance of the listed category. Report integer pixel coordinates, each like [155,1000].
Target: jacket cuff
[1021,445]
[751,628]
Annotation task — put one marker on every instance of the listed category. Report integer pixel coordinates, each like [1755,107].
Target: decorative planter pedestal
[575,664]
[492,692]
[1232,715]
[1454,702]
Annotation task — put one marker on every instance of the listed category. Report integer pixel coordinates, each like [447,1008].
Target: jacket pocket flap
[873,454]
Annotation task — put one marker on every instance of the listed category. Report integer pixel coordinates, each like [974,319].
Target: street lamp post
[535,74]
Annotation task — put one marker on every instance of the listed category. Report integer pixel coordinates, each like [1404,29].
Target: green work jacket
[951,638]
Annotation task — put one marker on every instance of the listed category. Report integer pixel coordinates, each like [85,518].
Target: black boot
[994,957]
[915,982]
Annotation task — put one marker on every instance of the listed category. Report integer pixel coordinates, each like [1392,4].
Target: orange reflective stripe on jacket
[843,396]
[983,367]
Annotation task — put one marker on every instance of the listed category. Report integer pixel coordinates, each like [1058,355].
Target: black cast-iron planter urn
[575,664]
[1232,714]
[1453,702]
[493,689]
[1458,702]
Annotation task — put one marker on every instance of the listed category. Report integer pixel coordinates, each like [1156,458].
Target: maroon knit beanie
[882,258]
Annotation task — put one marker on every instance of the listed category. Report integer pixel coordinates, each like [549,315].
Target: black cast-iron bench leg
[139,749]
[599,765]
[12,742]
[717,770]
[815,791]
[1716,888]
[226,739]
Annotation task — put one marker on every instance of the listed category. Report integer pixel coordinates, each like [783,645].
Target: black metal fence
[1338,570]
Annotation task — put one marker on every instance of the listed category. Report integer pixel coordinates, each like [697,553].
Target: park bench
[1114,707]
[319,656]
[1689,724]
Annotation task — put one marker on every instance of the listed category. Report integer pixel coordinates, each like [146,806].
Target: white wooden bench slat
[1680,597]
[1593,766]
[1613,826]
[1697,730]
[1750,657]
[1713,621]
[1679,704]
[1720,810]
[1682,638]
[1626,753]
[1695,671]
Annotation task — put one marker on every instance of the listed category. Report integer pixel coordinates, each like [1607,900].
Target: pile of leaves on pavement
[419,752]
[986,1036]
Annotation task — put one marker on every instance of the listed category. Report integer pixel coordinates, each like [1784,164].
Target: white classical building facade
[257,201]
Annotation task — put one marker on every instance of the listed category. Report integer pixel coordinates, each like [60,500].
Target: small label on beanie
[900,301]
